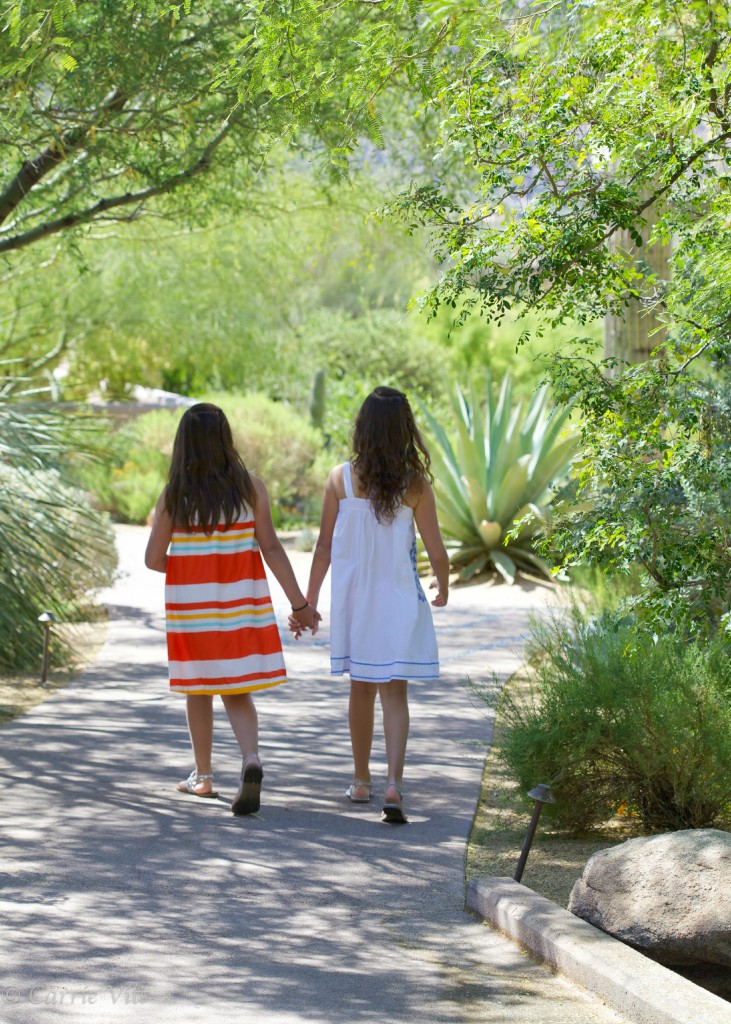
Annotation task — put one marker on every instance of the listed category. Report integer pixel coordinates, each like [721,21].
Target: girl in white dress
[382,631]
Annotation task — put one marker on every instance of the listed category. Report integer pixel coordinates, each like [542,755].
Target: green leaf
[473,567]
[505,566]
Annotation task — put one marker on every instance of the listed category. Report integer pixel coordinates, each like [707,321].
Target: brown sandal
[248,795]
[394,813]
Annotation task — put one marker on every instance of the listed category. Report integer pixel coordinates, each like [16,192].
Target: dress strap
[347,480]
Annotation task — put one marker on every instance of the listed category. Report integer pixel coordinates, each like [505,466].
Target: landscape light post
[542,795]
[46,620]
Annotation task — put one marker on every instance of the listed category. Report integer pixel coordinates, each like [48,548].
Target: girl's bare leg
[360,720]
[244,721]
[395,705]
[199,713]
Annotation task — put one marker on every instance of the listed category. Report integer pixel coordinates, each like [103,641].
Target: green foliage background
[524,149]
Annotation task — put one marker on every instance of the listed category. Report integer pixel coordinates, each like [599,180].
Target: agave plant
[493,485]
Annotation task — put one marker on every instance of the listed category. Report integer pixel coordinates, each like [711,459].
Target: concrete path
[122,901]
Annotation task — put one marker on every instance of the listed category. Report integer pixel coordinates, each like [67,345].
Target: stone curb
[642,991]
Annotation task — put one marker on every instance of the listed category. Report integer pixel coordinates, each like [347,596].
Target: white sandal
[359,799]
[193,780]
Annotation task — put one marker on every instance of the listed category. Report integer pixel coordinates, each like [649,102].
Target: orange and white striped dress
[221,630]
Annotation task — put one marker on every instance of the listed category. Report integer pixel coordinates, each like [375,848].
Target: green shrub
[54,553]
[359,353]
[519,344]
[54,549]
[135,491]
[620,722]
[129,478]
[151,435]
[276,443]
[597,591]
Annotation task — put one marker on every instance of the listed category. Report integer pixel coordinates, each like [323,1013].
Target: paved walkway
[122,901]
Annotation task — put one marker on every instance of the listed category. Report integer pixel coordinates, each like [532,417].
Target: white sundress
[381,625]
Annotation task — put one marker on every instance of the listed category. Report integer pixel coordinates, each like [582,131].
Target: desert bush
[359,353]
[280,446]
[54,549]
[598,592]
[620,721]
[276,443]
[135,490]
[518,345]
[129,478]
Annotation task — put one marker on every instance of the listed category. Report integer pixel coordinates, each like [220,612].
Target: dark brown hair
[208,480]
[389,455]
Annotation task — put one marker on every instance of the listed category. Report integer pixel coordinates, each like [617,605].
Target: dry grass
[18,694]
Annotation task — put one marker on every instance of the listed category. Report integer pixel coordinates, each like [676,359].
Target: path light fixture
[542,795]
[46,620]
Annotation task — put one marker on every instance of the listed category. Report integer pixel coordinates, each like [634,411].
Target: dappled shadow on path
[302,912]
[312,910]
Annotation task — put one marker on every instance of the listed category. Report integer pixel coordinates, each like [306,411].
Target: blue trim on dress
[382,679]
[380,664]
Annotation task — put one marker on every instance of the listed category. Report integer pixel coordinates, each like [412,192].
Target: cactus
[317,401]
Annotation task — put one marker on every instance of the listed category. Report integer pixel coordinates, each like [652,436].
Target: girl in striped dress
[212,525]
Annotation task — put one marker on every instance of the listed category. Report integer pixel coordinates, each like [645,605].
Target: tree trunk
[632,337]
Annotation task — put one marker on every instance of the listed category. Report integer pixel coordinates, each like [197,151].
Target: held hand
[442,597]
[306,618]
[294,627]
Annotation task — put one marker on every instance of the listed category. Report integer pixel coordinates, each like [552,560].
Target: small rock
[668,896]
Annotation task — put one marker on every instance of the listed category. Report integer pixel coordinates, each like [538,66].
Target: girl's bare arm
[276,558]
[162,530]
[323,548]
[425,516]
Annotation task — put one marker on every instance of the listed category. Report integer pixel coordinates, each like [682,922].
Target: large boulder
[668,896]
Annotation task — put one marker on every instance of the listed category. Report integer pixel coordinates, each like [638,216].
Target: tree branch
[33,170]
[696,155]
[548,175]
[72,220]
[708,65]
[12,384]
[694,355]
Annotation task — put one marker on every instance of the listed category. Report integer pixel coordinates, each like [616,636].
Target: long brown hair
[208,480]
[389,455]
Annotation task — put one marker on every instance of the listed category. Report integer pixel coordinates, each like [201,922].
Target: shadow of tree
[170,908]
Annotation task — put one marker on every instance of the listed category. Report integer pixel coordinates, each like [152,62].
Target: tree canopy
[588,129]
[573,120]
[109,105]
[106,105]
[571,135]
